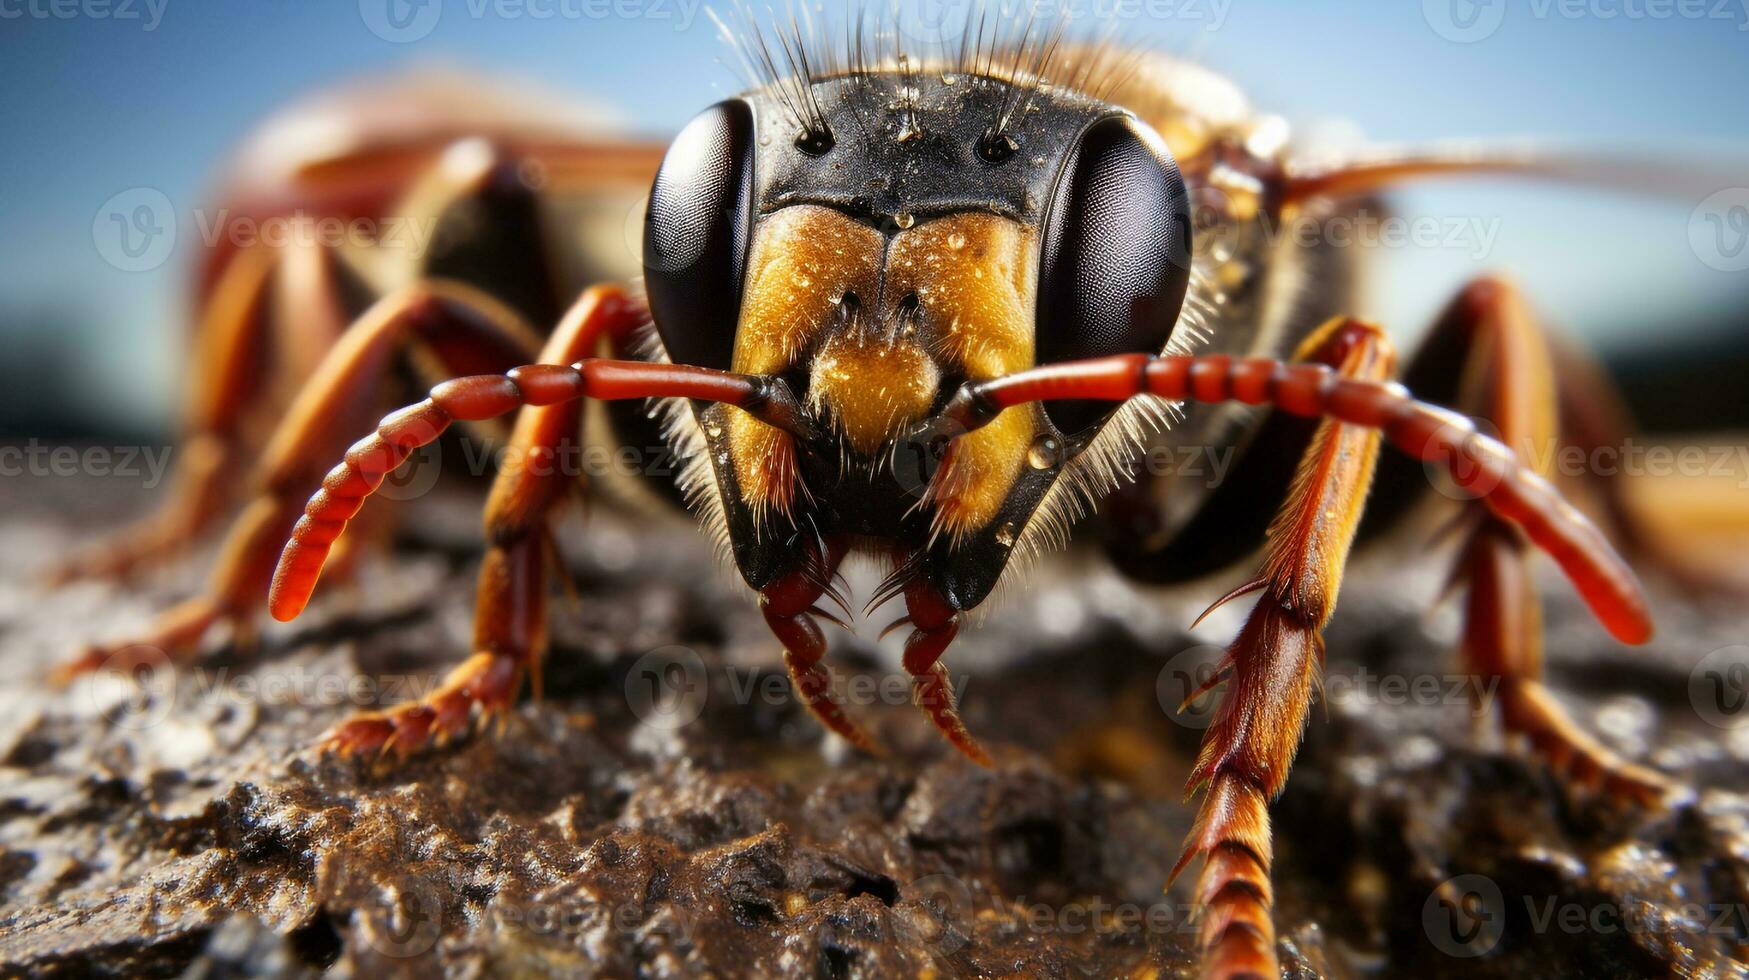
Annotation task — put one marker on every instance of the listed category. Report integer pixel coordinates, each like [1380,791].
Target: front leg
[1271,669]
[1272,664]
[510,626]
[510,608]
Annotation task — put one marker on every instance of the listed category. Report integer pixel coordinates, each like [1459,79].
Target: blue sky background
[95,105]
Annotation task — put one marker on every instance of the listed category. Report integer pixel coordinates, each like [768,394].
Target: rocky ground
[666,809]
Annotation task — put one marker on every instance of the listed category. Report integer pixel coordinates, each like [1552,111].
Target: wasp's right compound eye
[695,235]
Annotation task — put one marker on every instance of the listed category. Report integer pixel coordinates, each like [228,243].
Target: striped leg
[1273,663]
[510,607]
[1271,669]
[510,622]
[1500,481]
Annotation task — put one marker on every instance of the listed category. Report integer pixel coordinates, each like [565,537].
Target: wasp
[929,309]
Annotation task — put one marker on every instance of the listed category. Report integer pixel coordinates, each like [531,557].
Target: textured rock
[179,827]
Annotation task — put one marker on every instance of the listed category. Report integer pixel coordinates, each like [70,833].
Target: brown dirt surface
[178,826]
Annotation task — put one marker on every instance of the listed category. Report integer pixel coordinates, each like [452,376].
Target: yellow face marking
[973,275]
[876,372]
[978,473]
[801,259]
[872,385]
[765,464]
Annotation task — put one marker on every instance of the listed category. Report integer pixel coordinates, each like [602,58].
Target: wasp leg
[1510,379]
[465,328]
[510,606]
[509,637]
[510,624]
[788,605]
[481,397]
[1271,669]
[269,313]
[226,365]
[1502,643]
[1595,420]
[1479,464]
[1490,328]
[1257,726]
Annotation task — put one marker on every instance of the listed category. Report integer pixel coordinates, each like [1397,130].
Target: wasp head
[875,239]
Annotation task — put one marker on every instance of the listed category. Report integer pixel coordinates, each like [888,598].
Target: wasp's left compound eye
[695,235]
[1115,261]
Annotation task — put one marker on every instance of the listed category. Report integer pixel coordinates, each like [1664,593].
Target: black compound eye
[1115,260]
[695,235]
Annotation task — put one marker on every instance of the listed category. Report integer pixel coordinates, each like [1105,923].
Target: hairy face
[874,323]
